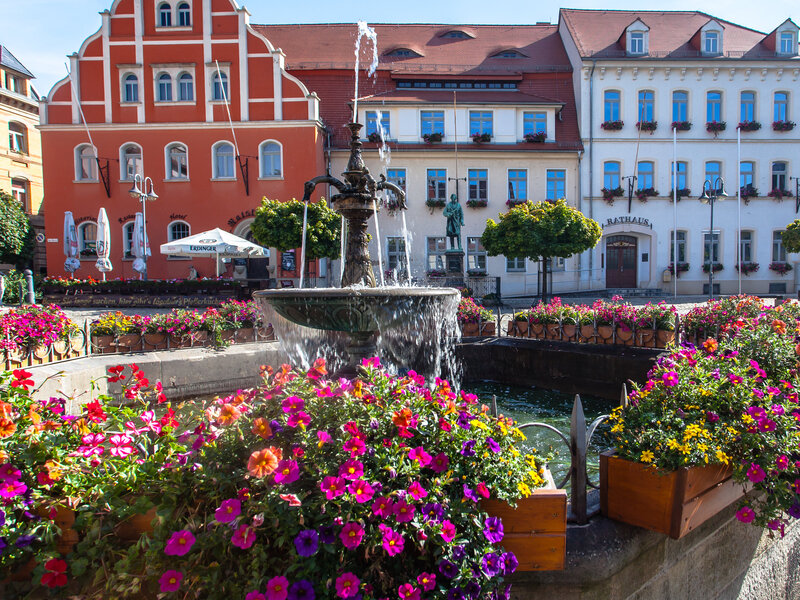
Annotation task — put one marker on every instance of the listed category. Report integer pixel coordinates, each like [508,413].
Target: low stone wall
[599,370]
[722,559]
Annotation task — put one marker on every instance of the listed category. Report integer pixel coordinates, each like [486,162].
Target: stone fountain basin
[354,310]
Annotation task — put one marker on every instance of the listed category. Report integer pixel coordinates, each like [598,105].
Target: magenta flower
[408,592]
[351,535]
[483,490]
[347,585]
[333,487]
[121,445]
[416,491]
[383,507]
[13,488]
[448,531]
[355,447]
[755,473]
[298,419]
[782,462]
[373,362]
[392,542]
[403,511]
[352,469]
[243,537]
[277,588]
[324,438]
[287,472]
[734,379]
[361,490]
[440,463]
[171,581]
[427,581]
[418,454]
[255,595]
[670,378]
[179,543]
[228,511]
[293,404]
[9,472]
[493,530]
[746,514]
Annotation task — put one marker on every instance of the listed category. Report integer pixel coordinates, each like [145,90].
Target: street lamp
[140,192]
[711,192]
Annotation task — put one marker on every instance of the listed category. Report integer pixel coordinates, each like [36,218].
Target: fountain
[360,309]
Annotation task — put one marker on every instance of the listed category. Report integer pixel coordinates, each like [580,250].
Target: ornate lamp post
[139,191]
[712,191]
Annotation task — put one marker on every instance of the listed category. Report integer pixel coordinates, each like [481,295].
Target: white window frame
[164,94]
[534,122]
[640,182]
[262,163]
[612,103]
[548,179]
[712,43]
[777,174]
[513,265]
[438,185]
[747,105]
[224,86]
[378,121]
[80,233]
[214,163]
[680,174]
[434,118]
[18,138]
[483,121]
[397,176]
[636,43]
[617,175]
[476,254]
[716,245]
[682,238]
[745,175]
[85,163]
[174,70]
[179,12]
[474,178]
[396,255]
[677,103]
[179,84]
[780,107]
[126,174]
[787,43]
[646,109]
[20,191]
[715,103]
[746,245]
[172,238]
[778,249]
[161,13]
[132,87]
[437,253]
[168,176]
[518,185]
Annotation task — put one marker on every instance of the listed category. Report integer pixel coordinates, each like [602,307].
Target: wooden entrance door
[621,261]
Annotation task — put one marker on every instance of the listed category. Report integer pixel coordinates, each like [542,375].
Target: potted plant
[431,138]
[477,202]
[535,138]
[481,138]
[512,202]
[780,267]
[682,193]
[609,195]
[715,127]
[682,268]
[586,320]
[745,268]
[612,125]
[779,194]
[747,192]
[644,193]
[649,126]
[435,202]
[375,137]
[716,267]
[518,326]
[474,319]
[682,125]
[783,125]
[749,126]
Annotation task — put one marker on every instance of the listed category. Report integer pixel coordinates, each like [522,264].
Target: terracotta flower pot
[605,334]
[469,329]
[624,336]
[588,334]
[646,338]
[155,341]
[520,328]
[199,338]
[64,518]
[226,335]
[663,337]
[245,334]
[552,331]
[129,342]
[488,329]
[40,354]
[179,340]
[569,331]
[536,330]
[103,344]
[132,528]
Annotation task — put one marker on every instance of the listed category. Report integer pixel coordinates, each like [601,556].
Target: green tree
[540,231]
[16,233]
[791,237]
[280,225]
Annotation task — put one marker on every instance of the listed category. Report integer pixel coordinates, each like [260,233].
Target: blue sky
[40,33]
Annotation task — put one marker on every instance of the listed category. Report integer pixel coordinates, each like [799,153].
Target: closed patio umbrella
[140,245]
[103,263]
[72,263]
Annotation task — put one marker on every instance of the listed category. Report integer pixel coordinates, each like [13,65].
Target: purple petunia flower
[448,569]
[470,494]
[24,541]
[491,564]
[493,529]
[510,563]
[472,590]
[326,534]
[493,446]
[455,594]
[306,542]
[463,420]
[301,590]
[2,545]
[468,448]
[794,510]
[459,552]
[433,511]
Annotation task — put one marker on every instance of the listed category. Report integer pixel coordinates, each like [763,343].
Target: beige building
[20,142]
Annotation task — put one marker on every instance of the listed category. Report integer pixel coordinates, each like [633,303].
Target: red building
[147,94]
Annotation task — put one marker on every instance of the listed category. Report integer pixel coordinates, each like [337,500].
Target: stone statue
[455,220]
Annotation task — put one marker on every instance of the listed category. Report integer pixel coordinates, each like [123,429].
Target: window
[17,138]
[681,174]
[402,53]
[645,105]
[518,185]
[746,246]
[437,184]
[455,34]
[432,121]
[177,231]
[509,54]
[778,249]
[436,247]
[269,159]
[87,239]
[127,240]
[397,177]
[164,15]
[611,172]
[781,106]
[534,122]
[515,265]
[748,107]
[223,161]
[779,176]
[476,255]
[714,106]
[478,184]
[480,122]
[130,162]
[611,105]
[646,170]
[185,87]
[680,106]
[681,235]
[396,254]
[378,123]
[85,163]
[711,42]
[220,86]
[746,174]
[164,88]
[184,15]
[177,162]
[15,84]
[19,191]
[131,91]
[713,171]
[637,42]
[787,44]
[556,184]
[713,245]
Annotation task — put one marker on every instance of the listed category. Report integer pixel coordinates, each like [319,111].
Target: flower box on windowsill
[482,138]
[745,268]
[436,273]
[781,268]
[649,126]
[435,202]
[375,138]
[477,203]
[749,126]
[782,125]
[512,202]
[533,138]
[747,192]
[610,195]
[646,193]
[682,193]
[476,272]
[779,194]
[430,138]
[681,125]
[715,127]
[612,125]
[716,268]
[682,268]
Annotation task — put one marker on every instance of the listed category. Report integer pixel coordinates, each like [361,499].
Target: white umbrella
[140,244]
[213,243]
[70,244]
[103,245]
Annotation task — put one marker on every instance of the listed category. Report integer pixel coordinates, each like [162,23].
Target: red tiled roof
[330,46]
[427,96]
[597,32]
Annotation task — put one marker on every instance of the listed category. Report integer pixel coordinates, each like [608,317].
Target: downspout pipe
[591,163]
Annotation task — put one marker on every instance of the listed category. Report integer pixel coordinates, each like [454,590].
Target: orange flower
[228,414]
[5,409]
[53,470]
[238,399]
[3,457]
[263,462]
[80,426]
[710,345]
[779,326]
[261,428]
[402,418]
[7,428]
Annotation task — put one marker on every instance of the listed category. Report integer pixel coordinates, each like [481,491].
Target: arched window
[611,172]
[178,230]
[164,88]
[781,106]
[646,106]
[164,15]
[680,106]
[714,107]
[177,162]
[779,176]
[130,161]
[747,171]
[131,91]
[85,163]
[87,239]
[18,137]
[646,172]
[611,105]
[185,87]
[19,190]
[127,239]
[220,83]
[223,161]
[184,14]
[269,159]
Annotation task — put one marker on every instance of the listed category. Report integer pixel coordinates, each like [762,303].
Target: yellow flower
[647,456]
[479,424]
[672,444]
[524,489]
[618,427]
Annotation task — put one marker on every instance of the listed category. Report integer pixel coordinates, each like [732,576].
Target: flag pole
[675,212]
[739,204]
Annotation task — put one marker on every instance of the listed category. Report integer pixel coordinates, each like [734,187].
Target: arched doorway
[257,268]
[621,261]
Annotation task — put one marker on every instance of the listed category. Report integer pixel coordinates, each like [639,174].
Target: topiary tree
[280,225]
[16,233]
[791,237]
[540,231]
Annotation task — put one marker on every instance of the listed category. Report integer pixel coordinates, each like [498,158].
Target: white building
[698,72]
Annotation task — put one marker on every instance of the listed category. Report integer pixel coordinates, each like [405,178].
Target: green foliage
[280,225]
[16,233]
[791,237]
[539,230]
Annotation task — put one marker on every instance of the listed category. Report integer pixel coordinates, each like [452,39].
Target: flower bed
[319,488]
[474,319]
[37,334]
[63,285]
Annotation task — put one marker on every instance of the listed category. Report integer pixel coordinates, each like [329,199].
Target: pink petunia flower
[293,404]
[121,445]
[448,532]
[670,378]
[362,490]
[418,454]
[9,472]
[179,543]
[355,447]
[351,535]
[383,507]
[440,463]
[298,419]
[427,581]
[416,491]
[347,585]
[483,490]
[171,581]
[255,595]
[291,499]
[755,473]
[277,588]
[333,487]
[323,437]
[287,472]
[746,514]
[351,469]
[228,510]
[392,542]
[12,488]
[243,537]
[403,511]
[408,592]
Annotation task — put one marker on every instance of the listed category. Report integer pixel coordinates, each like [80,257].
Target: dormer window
[637,42]
[509,54]
[457,35]
[711,42]
[402,53]
[787,45]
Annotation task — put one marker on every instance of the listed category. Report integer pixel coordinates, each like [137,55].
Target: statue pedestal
[454,263]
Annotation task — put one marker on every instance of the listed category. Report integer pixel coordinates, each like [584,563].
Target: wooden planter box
[536,530]
[673,503]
